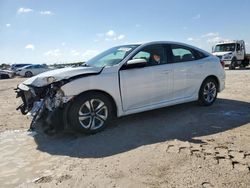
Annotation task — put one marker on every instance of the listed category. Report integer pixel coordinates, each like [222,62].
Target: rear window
[183,54]
[199,54]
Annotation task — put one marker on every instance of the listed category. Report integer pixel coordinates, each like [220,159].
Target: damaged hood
[60,74]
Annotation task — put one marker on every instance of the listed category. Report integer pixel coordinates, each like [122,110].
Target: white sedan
[4,74]
[31,70]
[123,80]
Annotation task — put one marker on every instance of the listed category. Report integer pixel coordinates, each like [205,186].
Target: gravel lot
[180,146]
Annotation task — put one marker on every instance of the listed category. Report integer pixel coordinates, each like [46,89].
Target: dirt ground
[181,146]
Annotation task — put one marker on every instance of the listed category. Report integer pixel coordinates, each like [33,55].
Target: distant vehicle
[122,80]
[32,70]
[14,67]
[232,53]
[4,74]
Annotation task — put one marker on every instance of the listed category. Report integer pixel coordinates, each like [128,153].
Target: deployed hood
[60,74]
[221,53]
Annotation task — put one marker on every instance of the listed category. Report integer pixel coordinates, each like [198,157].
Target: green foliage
[4,66]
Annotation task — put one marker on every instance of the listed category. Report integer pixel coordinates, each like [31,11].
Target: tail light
[222,63]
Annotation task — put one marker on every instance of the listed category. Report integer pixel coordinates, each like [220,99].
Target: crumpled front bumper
[27,100]
[47,103]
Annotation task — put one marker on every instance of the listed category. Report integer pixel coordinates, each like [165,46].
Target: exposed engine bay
[41,101]
[43,97]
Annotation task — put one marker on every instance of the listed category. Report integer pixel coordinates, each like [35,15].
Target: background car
[32,70]
[14,67]
[4,74]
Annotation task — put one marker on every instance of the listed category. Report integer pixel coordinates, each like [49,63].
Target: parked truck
[232,53]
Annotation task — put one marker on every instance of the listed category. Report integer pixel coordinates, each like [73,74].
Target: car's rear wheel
[91,112]
[208,92]
[28,74]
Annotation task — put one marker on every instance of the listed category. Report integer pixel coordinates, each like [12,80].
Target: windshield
[225,47]
[111,57]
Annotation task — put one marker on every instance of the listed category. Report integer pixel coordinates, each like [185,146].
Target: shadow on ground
[182,122]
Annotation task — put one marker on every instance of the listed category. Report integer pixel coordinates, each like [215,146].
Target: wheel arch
[212,77]
[234,58]
[114,105]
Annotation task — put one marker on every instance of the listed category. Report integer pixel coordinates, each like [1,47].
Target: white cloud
[75,53]
[137,25]
[216,39]
[190,39]
[46,12]
[63,43]
[8,25]
[89,54]
[24,10]
[120,37]
[213,37]
[211,34]
[198,16]
[30,46]
[184,28]
[53,53]
[110,33]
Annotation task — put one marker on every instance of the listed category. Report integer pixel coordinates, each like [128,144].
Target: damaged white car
[120,81]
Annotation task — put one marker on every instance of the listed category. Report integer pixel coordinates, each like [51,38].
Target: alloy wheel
[209,92]
[93,114]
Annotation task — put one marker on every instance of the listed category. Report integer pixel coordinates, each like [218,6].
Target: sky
[60,31]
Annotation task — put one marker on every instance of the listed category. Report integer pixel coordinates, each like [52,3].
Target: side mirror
[136,63]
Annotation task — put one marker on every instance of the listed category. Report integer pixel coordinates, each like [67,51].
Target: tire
[90,113]
[245,62]
[28,74]
[208,92]
[233,64]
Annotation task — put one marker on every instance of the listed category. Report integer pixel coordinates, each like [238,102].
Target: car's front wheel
[91,112]
[208,92]
[233,64]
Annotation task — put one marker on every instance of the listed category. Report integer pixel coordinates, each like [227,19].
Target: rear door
[187,71]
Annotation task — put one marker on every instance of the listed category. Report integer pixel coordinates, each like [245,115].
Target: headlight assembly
[50,79]
[228,56]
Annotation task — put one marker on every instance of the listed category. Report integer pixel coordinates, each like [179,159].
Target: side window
[182,54]
[199,55]
[37,66]
[238,47]
[154,55]
[142,55]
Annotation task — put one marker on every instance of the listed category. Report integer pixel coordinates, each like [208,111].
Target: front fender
[106,82]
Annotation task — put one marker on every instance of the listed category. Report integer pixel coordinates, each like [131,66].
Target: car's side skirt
[160,105]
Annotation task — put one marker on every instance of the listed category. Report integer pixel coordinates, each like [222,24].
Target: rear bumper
[222,82]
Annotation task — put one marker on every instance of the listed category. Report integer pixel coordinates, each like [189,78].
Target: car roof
[176,43]
[26,66]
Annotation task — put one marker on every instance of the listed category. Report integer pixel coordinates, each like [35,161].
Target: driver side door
[147,86]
